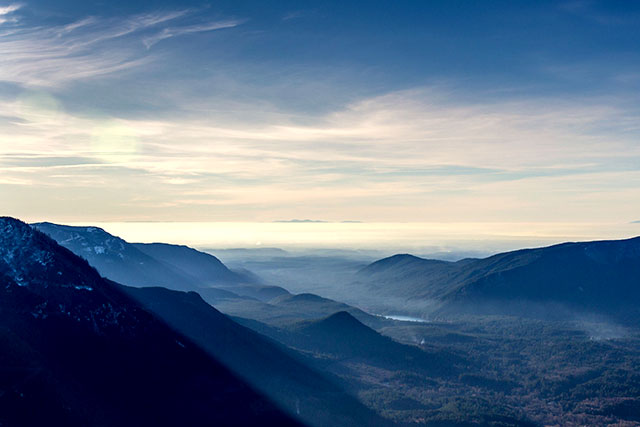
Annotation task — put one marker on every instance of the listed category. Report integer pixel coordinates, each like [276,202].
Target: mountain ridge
[176,267]
[598,276]
[84,353]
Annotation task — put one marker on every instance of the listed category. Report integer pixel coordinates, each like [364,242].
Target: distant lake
[405,318]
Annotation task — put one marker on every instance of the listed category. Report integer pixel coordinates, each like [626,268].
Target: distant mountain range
[155,264]
[87,351]
[600,277]
[77,350]
[180,267]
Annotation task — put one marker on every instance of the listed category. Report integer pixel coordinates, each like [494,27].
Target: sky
[380,111]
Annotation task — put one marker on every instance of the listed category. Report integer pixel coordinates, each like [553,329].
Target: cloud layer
[105,113]
[382,158]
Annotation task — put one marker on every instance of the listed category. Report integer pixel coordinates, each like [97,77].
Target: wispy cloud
[51,56]
[86,48]
[7,10]
[188,29]
[416,152]
[293,15]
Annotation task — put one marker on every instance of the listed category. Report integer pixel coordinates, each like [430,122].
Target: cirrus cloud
[51,56]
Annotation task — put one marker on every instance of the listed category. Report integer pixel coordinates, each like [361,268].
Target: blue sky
[375,111]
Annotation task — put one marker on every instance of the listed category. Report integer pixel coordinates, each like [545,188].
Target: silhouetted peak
[398,258]
[341,316]
[400,261]
[341,321]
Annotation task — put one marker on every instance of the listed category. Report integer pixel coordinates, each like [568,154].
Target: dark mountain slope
[75,350]
[601,277]
[265,364]
[206,268]
[209,271]
[592,274]
[407,275]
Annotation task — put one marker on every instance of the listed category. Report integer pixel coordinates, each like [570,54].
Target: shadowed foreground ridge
[78,351]
[280,373]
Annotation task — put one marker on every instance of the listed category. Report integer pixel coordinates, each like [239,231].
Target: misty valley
[96,330]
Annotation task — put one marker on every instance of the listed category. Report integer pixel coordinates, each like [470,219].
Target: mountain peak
[341,316]
[401,260]
[401,257]
[12,227]
[341,322]
[88,228]
[398,264]
[30,258]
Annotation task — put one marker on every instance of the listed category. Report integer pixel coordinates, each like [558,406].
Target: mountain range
[601,277]
[86,350]
[155,264]
[180,267]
